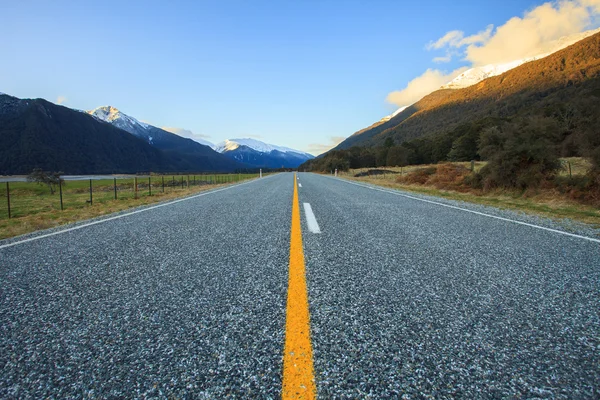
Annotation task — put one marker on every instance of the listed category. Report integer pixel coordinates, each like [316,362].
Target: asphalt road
[183,301]
[406,297]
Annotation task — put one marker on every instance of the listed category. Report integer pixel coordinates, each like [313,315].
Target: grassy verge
[34,208]
[546,203]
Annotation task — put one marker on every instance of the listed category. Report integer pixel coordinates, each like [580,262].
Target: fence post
[91,197]
[472,165]
[60,191]
[135,188]
[8,198]
[115,187]
[163,184]
[181,182]
[188,182]
[260,173]
[570,175]
[149,186]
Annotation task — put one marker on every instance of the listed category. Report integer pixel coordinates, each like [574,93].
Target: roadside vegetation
[35,205]
[454,180]
[552,157]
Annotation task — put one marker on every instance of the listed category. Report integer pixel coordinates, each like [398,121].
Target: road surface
[406,297]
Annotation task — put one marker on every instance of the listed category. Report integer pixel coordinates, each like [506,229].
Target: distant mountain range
[35,133]
[260,154]
[187,151]
[249,152]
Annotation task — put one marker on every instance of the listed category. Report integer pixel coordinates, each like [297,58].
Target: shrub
[521,154]
[449,176]
[50,179]
[420,176]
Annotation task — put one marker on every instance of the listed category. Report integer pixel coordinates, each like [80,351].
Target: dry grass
[447,181]
[33,208]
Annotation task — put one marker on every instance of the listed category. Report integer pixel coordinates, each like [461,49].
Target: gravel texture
[415,300]
[184,301]
[407,299]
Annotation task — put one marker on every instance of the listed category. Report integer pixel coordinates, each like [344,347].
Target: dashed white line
[311,221]
[299,184]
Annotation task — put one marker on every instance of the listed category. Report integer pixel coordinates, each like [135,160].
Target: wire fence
[21,198]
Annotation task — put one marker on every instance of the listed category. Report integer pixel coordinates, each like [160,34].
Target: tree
[338,163]
[397,157]
[381,156]
[464,148]
[521,154]
[389,142]
[51,179]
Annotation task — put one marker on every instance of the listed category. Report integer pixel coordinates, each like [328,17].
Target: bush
[397,156]
[51,179]
[521,154]
[420,176]
[474,180]
[449,176]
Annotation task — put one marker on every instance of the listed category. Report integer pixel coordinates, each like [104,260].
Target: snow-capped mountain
[232,144]
[115,117]
[151,134]
[260,154]
[189,149]
[398,111]
[478,74]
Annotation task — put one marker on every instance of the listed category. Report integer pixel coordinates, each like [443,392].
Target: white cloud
[421,86]
[480,37]
[443,59]
[457,39]
[61,99]
[520,37]
[186,133]
[319,148]
[543,29]
[451,38]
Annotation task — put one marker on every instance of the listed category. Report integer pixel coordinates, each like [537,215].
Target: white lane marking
[473,212]
[299,184]
[123,215]
[311,221]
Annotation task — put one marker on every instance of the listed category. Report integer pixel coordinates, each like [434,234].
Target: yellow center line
[298,374]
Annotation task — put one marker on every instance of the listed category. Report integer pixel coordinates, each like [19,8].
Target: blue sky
[301,74]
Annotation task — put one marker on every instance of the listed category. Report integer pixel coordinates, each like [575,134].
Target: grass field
[547,203]
[33,207]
